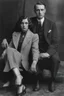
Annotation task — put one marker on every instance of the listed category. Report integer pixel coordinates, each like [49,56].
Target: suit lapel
[26,39]
[16,38]
[46,26]
[46,29]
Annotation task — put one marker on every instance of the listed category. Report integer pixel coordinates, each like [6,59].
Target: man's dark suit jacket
[50,33]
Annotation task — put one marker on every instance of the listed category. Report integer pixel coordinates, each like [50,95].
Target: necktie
[20,42]
[38,27]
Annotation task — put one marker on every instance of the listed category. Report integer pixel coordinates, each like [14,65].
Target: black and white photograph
[31,47]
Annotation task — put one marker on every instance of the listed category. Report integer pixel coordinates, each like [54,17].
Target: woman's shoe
[22,90]
[6,84]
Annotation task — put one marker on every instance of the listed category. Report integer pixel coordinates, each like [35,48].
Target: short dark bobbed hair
[23,17]
[17,27]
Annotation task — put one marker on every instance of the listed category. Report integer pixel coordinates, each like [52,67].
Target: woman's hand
[33,66]
[4,43]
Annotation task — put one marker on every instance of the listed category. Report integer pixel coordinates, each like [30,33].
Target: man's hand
[33,66]
[44,55]
[4,43]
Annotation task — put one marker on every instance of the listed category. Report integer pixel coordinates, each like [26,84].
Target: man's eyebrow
[39,9]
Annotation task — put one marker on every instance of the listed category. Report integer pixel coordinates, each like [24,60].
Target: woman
[17,52]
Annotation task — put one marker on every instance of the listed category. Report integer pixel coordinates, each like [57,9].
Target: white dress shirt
[41,20]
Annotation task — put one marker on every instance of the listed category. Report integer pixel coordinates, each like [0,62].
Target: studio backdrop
[11,10]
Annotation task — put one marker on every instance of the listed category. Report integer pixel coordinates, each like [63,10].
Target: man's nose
[40,11]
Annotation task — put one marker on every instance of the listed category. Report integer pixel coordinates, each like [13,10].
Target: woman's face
[24,25]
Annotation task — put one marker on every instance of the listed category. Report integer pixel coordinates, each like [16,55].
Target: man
[48,42]
[17,52]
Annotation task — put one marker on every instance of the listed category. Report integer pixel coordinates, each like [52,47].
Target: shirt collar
[41,20]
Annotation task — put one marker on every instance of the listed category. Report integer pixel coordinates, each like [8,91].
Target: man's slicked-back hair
[39,3]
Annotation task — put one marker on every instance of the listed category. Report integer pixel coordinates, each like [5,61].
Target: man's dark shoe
[51,86]
[36,86]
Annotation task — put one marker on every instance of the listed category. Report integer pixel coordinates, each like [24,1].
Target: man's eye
[26,23]
[42,9]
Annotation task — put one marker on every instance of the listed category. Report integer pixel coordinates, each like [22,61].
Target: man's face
[40,11]
[24,25]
